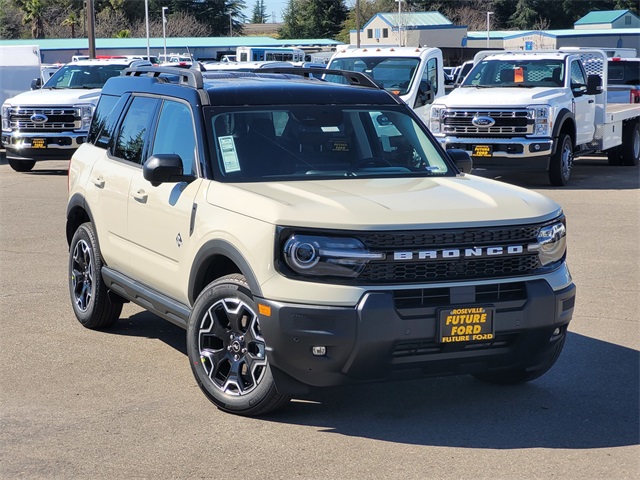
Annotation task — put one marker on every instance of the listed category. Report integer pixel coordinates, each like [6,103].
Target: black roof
[245,88]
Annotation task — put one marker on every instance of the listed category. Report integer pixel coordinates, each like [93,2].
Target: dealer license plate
[466,324]
[38,143]
[482,151]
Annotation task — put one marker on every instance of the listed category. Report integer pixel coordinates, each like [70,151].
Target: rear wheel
[561,162]
[89,296]
[631,144]
[227,352]
[21,165]
[614,155]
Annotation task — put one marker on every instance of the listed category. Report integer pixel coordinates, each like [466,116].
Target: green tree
[71,21]
[313,19]
[259,14]
[34,14]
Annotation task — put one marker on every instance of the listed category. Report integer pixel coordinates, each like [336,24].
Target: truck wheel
[631,144]
[21,165]
[527,373]
[561,162]
[88,291]
[227,352]
[614,155]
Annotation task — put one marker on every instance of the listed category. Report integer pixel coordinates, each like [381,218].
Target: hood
[67,96]
[492,97]
[407,203]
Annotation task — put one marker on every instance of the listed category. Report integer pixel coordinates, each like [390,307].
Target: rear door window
[133,131]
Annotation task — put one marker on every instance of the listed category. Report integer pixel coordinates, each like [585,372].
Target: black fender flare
[224,248]
[77,201]
[564,116]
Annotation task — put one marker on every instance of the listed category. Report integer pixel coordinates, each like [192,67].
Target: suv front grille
[507,122]
[57,119]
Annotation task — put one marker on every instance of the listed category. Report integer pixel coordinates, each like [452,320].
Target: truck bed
[617,112]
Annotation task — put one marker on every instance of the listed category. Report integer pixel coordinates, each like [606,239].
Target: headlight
[552,242]
[541,116]
[318,256]
[86,113]
[436,119]
[6,124]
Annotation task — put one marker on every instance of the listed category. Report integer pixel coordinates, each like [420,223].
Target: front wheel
[561,162]
[21,165]
[227,352]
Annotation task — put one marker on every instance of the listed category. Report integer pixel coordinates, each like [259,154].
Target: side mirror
[165,168]
[594,85]
[36,83]
[425,94]
[462,159]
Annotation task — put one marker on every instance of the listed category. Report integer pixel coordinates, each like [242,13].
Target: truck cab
[416,75]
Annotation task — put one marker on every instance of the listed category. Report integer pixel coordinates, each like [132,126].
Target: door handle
[591,101]
[140,196]
[98,181]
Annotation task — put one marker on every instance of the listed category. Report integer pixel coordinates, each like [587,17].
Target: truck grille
[507,122]
[57,119]
[392,271]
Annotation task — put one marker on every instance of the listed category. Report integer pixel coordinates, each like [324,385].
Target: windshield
[83,76]
[516,73]
[306,142]
[393,74]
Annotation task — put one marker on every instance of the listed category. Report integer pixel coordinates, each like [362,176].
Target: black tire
[614,155]
[87,289]
[21,165]
[527,373]
[561,162]
[227,352]
[631,144]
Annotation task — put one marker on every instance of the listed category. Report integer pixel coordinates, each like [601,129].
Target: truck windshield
[83,76]
[305,142]
[516,73]
[393,74]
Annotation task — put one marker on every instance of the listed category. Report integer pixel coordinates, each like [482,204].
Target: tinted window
[99,127]
[83,76]
[175,134]
[624,72]
[133,131]
[393,74]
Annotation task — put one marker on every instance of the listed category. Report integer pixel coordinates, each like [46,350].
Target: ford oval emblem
[483,121]
[38,118]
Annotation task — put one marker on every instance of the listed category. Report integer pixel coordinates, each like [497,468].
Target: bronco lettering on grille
[459,253]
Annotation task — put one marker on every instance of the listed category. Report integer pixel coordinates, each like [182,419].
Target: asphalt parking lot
[80,404]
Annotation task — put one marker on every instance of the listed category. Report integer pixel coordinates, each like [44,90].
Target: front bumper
[59,145]
[516,151]
[380,339]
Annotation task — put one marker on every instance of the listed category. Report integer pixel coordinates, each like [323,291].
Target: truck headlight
[86,113]
[552,242]
[435,119]
[319,256]
[541,116]
[6,121]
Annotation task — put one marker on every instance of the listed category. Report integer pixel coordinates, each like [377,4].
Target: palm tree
[34,13]
[71,21]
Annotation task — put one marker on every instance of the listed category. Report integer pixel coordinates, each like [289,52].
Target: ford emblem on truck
[483,121]
[38,118]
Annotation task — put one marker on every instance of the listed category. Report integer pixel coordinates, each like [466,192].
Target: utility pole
[91,29]
[488,25]
[164,30]
[146,20]
[358,23]
[399,22]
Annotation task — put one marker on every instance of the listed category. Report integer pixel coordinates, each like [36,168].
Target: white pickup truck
[530,110]
[414,74]
[51,122]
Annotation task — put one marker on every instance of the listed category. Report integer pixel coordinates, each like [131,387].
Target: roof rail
[354,78]
[190,76]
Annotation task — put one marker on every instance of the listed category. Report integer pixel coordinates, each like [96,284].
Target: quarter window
[133,131]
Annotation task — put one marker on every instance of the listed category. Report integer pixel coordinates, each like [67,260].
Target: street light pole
[146,19]
[164,30]
[230,25]
[399,22]
[488,16]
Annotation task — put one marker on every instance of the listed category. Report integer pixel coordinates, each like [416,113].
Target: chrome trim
[524,142]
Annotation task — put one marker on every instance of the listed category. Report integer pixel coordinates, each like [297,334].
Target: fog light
[319,351]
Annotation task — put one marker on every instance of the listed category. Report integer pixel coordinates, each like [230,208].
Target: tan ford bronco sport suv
[308,234]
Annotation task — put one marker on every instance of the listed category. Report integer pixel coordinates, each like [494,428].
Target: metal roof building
[60,50]
[608,19]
